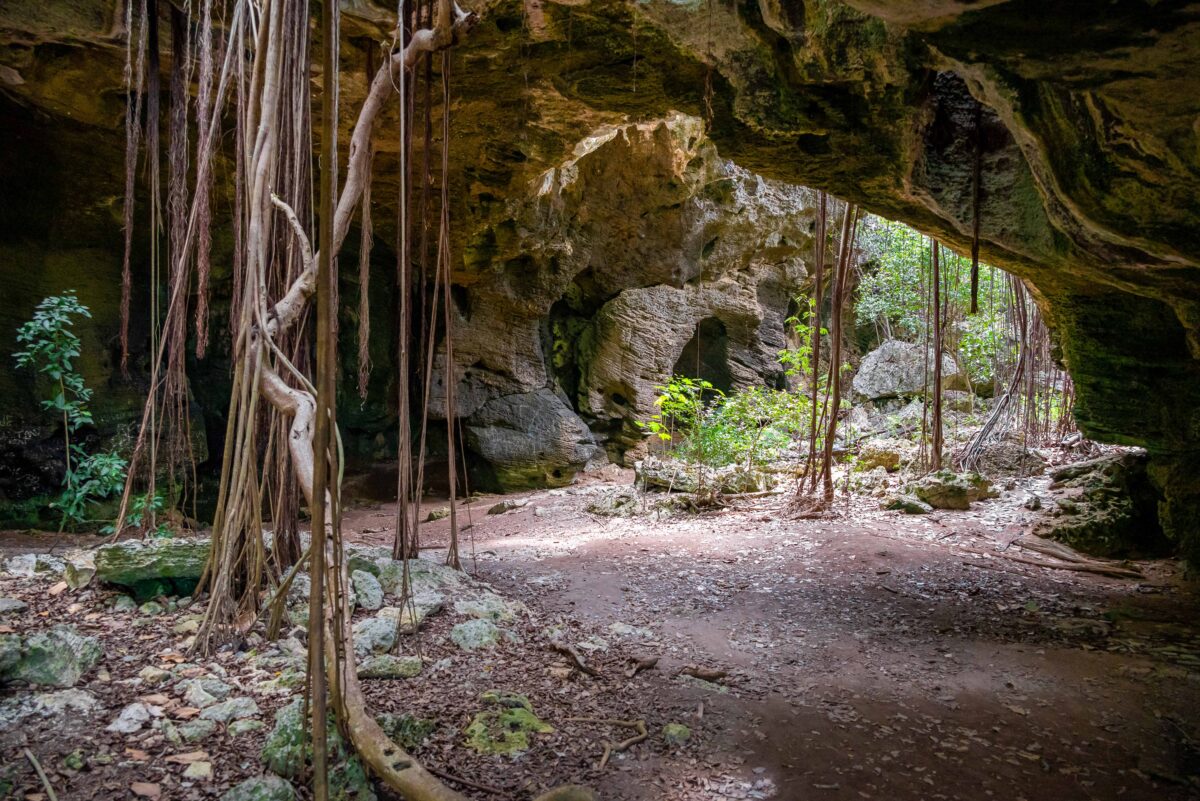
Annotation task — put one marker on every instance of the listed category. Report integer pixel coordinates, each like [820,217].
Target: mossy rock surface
[153,567]
[387,666]
[55,658]
[506,728]
[946,489]
[1106,507]
[261,788]
[676,734]
[407,731]
[288,750]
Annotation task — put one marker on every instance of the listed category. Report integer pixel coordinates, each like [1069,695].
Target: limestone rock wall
[586,296]
[1083,117]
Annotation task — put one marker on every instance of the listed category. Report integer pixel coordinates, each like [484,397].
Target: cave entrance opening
[706,355]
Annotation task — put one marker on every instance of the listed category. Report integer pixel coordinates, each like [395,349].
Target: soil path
[869,656]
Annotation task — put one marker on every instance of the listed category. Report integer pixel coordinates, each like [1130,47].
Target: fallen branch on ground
[614,748]
[576,657]
[705,674]
[37,766]
[1079,564]
[640,664]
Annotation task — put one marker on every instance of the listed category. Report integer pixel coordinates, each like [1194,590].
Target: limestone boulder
[885,452]
[289,748]
[946,489]
[155,566]
[1105,507]
[58,657]
[530,439]
[898,369]
[261,788]
[1007,458]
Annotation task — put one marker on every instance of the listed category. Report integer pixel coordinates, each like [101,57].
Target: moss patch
[504,729]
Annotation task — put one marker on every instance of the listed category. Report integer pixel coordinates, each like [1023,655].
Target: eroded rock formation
[1083,119]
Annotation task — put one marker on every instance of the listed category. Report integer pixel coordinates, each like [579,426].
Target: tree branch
[451,22]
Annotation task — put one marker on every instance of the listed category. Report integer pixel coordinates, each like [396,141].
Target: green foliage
[983,343]
[891,295]
[50,346]
[680,407]
[93,477]
[752,426]
[797,360]
[891,292]
[138,509]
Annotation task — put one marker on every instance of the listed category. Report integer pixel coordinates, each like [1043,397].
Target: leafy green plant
[983,344]
[94,476]
[750,427]
[680,406]
[50,346]
[138,508]
[797,359]
[706,426]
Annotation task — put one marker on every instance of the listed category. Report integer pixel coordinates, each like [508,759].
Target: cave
[705,357]
[548,579]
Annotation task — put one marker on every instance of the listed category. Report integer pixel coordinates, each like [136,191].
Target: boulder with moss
[946,489]
[1105,507]
[58,657]
[288,750]
[506,726]
[152,567]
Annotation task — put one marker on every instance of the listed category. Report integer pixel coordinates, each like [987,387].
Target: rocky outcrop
[901,369]
[641,244]
[153,567]
[58,657]
[1104,507]
[530,439]
[946,489]
[1084,125]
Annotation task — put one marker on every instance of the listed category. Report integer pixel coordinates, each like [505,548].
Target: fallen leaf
[158,699]
[188,758]
[145,790]
[59,588]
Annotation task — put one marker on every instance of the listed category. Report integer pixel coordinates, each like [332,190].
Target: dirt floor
[874,655]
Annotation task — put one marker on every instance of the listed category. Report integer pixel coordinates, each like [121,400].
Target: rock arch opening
[706,355]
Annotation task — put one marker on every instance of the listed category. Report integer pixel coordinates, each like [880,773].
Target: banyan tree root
[384,758]
[638,664]
[1073,559]
[576,657]
[703,673]
[611,748]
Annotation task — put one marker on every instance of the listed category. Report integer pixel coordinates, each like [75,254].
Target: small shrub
[50,346]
